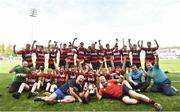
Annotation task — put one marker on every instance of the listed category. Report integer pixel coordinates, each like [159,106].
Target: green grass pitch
[8,103]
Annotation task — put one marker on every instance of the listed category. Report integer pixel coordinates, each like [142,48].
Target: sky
[89,21]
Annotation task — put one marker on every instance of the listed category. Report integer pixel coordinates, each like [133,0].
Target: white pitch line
[175,81]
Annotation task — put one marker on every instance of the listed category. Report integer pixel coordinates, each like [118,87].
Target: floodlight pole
[33,14]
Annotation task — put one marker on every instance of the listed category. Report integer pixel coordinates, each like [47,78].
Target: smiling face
[93,46]
[81,44]
[125,47]
[134,47]
[134,68]
[149,65]
[149,44]
[107,46]
[25,64]
[33,70]
[80,79]
[103,80]
[28,46]
[49,71]
[64,46]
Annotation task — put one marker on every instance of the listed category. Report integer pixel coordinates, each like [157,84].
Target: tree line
[6,50]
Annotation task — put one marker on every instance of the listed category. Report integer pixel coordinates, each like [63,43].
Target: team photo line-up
[84,72]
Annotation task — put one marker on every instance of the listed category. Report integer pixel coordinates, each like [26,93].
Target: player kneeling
[90,85]
[30,84]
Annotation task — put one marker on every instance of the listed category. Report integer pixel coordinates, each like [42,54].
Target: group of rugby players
[82,72]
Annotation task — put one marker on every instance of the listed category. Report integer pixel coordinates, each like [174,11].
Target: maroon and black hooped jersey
[108,53]
[90,78]
[47,77]
[70,55]
[61,77]
[136,56]
[63,53]
[101,55]
[72,75]
[88,56]
[40,57]
[81,54]
[149,54]
[117,56]
[52,57]
[94,56]
[126,53]
[26,56]
[31,79]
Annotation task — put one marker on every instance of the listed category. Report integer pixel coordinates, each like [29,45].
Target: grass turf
[8,103]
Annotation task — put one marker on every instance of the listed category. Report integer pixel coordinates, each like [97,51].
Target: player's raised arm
[49,45]
[116,44]
[33,44]
[60,45]
[14,49]
[100,68]
[74,41]
[55,44]
[13,69]
[157,45]
[123,42]
[156,58]
[99,41]
[80,67]
[144,72]
[124,64]
[140,45]
[130,45]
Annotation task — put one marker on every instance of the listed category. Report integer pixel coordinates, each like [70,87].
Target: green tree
[9,50]
[2,49]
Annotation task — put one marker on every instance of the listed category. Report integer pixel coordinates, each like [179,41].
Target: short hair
[148,42]
[133,65]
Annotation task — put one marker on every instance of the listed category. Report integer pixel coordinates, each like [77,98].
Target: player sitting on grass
[160,79]
[67,93]
[47,80]
[60,78]
[17,80]
[123,91]
[135,79]
[30,84]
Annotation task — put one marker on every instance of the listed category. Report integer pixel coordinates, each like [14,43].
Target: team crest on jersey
[53,55]
[149,52]
[28,55]
[70,54]
[135,54]
[40,54]
[91,79]
[93,53]
[108,52]
[116,54]
[125,53]
[81,52]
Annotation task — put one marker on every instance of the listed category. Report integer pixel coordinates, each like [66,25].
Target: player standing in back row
[149,52]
